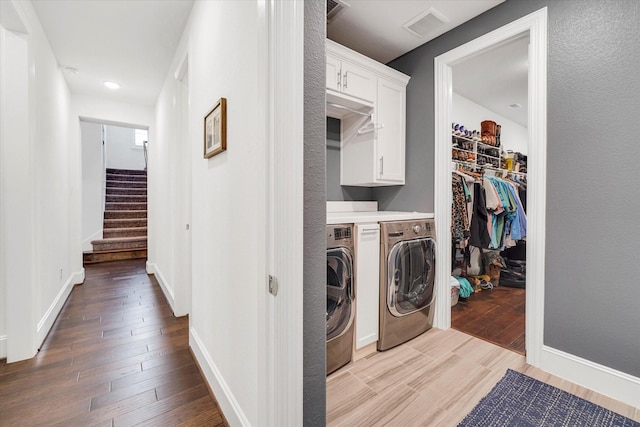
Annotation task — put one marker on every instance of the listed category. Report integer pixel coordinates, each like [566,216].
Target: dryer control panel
[405,230]
[340,235]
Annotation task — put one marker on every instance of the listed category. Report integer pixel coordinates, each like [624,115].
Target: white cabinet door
[390,144]
[358,82]
[334,73]
[367,283]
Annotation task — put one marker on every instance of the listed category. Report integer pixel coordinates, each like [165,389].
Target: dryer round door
[339,291]
[410,276]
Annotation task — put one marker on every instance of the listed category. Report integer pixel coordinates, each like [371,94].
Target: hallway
[116,356]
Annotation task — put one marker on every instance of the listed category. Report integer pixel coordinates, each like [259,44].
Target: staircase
[125,218]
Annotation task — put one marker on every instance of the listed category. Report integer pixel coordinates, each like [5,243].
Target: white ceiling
[131,42]
[497,78]
[374,27]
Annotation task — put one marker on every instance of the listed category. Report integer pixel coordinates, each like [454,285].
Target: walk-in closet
[489,181]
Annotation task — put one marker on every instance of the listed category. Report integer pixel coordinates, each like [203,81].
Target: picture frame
[215,129]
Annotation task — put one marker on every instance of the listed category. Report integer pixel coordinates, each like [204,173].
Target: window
[142,136]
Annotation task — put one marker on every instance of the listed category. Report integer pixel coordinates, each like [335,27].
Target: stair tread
[120,240]
[119,170]
[127,228]
[107,251]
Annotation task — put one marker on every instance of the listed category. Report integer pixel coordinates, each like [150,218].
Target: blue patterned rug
[519,400]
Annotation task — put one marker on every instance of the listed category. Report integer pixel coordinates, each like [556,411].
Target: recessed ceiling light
[112,85]
[515,105]
[71,70]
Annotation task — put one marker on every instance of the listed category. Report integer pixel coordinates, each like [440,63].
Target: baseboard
[599,378]
[3,346]
[45,324]
[226,400]
[168,292]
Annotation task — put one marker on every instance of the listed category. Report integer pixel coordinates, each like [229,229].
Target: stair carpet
[125,218]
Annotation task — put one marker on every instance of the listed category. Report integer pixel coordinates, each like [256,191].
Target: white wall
[92,183]
[512,135]
[122,153]
[222,44]
[47,236]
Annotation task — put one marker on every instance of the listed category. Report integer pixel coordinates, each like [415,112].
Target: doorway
[533,25]
[489,161]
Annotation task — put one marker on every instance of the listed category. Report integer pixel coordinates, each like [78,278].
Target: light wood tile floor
[433,380]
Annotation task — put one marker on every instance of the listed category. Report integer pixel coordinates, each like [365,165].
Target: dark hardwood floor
[116,356]
[496,315]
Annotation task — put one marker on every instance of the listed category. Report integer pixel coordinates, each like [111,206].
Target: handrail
[144,148]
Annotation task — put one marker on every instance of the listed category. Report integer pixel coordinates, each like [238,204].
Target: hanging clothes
[479,231]
[459,218]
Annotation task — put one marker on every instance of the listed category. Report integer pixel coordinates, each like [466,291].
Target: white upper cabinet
[370,100]
[350,79]
[334,73]
[390,113]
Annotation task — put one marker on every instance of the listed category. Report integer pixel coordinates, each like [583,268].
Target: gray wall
[336,192]
[591,294]
[315,255]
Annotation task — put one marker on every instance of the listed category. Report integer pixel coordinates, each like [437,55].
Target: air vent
[334,8]
[426,23]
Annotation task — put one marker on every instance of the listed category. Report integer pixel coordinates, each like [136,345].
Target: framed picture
[215,129]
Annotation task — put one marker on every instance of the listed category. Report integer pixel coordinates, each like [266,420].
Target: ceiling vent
[426,23]
[334,8]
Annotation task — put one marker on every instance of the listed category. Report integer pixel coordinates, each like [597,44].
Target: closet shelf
[474,155]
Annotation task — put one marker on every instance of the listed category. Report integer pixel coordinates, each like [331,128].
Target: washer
[407,272]
[340,296]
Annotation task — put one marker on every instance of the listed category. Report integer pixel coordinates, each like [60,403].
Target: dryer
[340,296]
[407,273]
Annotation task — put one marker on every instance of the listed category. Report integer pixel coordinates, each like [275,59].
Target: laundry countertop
[374,216]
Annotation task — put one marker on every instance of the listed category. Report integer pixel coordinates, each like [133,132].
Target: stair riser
[125,207]
[126,172]
[110,198]
[127,191]
[126,184]
[108,246]
[125,223]
[125,214]
[111,233]
[92,258]
[118,177]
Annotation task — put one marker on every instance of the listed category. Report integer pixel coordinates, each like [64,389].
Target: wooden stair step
[125,223]
[110,233]
[124,214]
[120,243]
[125,206]
[129,198]
[127,191]
[93,257]
[126,184]
[121,177]
[126,171]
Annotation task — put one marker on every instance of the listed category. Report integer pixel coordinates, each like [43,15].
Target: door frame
[536,25]
[182,253]
[281,107]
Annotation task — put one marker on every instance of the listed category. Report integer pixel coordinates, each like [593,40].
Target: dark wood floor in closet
[496,315]
[116,356]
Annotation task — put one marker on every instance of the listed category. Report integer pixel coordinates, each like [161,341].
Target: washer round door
[339,290]
[410,276]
